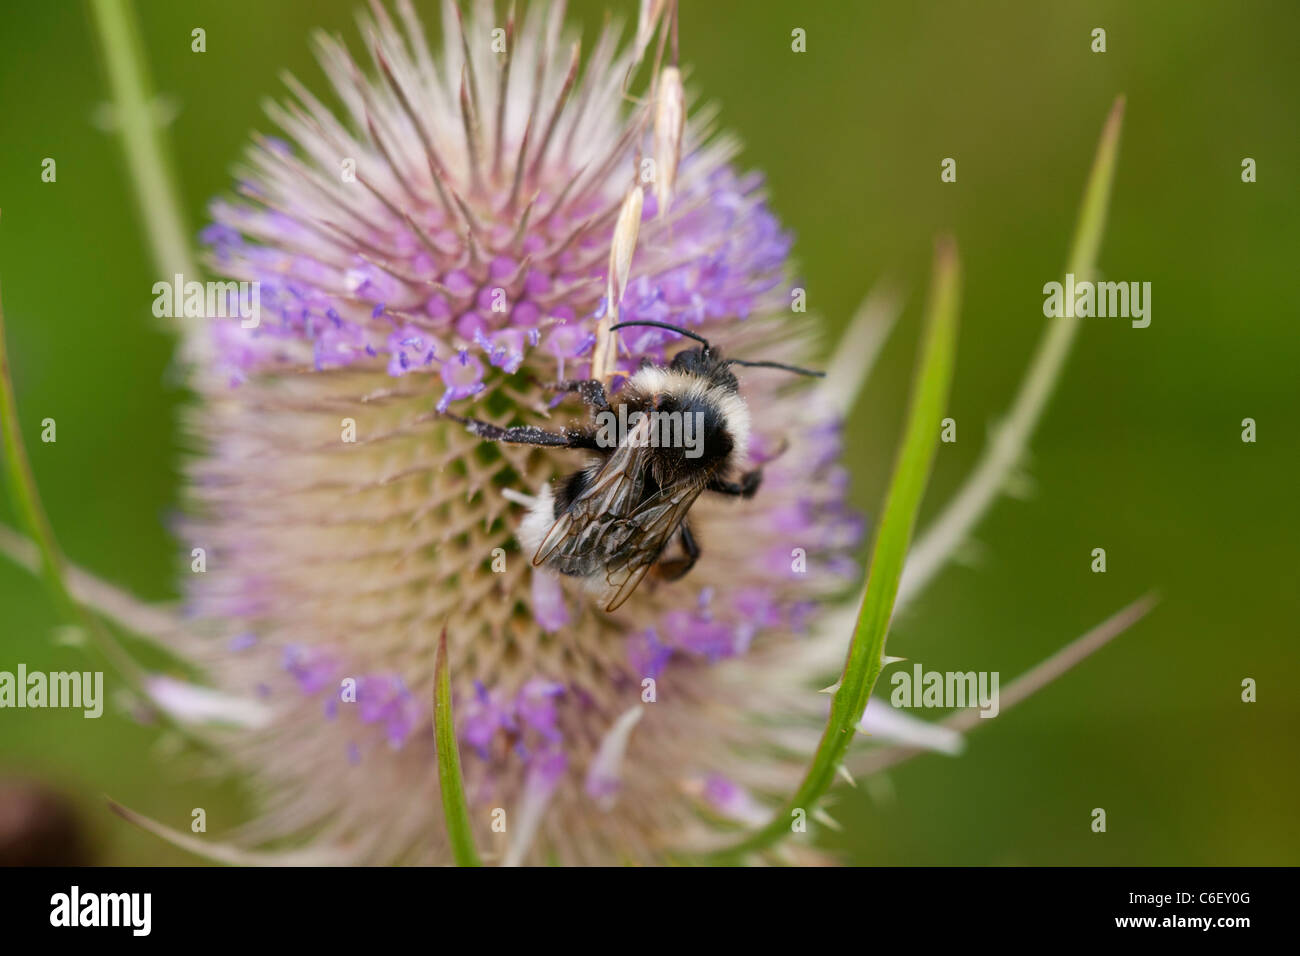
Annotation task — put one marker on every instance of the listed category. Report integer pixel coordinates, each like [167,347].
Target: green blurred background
[1140,452]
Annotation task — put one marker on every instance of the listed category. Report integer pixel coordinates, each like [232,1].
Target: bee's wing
[612,495]
[655,521]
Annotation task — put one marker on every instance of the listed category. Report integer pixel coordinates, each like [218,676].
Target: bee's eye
[688,360]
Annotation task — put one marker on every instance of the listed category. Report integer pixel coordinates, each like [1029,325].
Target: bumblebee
[672,433]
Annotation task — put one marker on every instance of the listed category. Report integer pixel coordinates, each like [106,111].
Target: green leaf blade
[1010,437]
[893,536]
[455,807]
[26,498]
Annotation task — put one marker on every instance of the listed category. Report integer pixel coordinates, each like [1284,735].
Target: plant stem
[153,180]
[1028,683]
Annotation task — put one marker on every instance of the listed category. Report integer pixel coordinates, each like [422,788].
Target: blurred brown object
[39,826]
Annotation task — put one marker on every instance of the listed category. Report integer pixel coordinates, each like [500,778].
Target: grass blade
[455,808]
[31,512]
[1008,441]
[53,567]
[893,535]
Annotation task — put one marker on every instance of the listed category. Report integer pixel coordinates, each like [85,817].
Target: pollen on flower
[464,267]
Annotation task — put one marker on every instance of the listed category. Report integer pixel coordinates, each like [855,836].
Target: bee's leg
[590,390]
[744,488]
[678,567]
[527,434]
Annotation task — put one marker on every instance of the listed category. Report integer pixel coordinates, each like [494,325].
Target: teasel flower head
[461,233]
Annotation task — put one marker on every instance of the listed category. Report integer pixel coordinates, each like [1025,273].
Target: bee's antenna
[786,368]
[663,325]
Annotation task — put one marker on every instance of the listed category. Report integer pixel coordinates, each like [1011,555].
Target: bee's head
[707,363]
